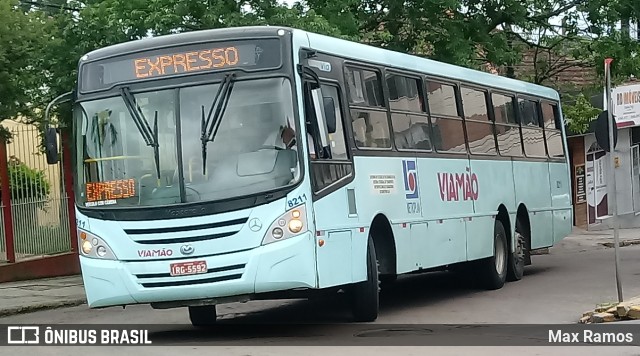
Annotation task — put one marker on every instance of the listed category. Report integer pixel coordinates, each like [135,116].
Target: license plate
[187,268]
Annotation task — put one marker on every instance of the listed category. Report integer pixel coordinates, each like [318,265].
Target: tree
[558,34]
[580,114]
[82,26]
[21,35]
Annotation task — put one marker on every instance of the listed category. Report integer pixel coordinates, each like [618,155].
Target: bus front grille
[176,240]
[186,233]
[213,275]
[192,282]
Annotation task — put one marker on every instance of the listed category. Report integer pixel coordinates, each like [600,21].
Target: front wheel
[493,270]
[365,295]
[203,316]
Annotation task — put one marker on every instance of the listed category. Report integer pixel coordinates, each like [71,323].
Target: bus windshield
[244,155]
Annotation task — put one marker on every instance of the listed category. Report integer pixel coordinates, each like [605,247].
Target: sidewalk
[28,296]
[582,240]
[33,295]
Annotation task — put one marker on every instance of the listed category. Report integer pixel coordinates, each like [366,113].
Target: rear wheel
[493,270]
[517,258]
[365,295]
[202,316]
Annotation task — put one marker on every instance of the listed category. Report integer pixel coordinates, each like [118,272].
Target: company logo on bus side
[456,186]
[411,192]
[410,179]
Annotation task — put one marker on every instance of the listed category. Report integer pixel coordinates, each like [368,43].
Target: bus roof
[338,47]
[380,56]
[201,36]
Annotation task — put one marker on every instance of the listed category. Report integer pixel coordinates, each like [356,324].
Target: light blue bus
[268,162]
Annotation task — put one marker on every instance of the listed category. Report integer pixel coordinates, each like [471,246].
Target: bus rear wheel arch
[381,269]
[384,242]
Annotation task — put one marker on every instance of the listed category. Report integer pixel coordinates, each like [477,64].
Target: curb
[42,306]
[623,243]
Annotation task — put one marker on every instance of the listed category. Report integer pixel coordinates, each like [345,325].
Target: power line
[41,4]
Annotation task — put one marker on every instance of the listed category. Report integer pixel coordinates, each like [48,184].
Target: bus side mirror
[51,145]
[330,113]
[50,134]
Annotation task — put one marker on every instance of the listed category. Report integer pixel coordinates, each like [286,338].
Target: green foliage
[28,184]
[471,33]
[580,114]
[21,40]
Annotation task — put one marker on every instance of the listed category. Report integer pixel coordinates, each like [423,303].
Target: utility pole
[610,121]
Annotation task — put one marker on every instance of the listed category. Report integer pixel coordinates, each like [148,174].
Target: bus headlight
[289,224]
[295,225]
[93,246]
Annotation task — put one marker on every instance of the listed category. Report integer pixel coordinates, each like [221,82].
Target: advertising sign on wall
[626,105]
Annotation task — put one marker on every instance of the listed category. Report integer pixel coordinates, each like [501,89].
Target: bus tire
[517,258]
[386,280]
[365,297]
[203,316]
[494,268]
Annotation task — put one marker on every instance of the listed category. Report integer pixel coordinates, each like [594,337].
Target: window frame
[382,109]
[514,106]
[459,117]
[345,134]
[358,66]
[423,113]
[383,71]
[539,127]
[557,121]
[490,116]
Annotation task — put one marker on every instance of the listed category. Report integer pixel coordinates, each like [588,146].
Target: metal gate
[40,221]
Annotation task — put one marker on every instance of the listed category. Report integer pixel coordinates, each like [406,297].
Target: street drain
[391,332]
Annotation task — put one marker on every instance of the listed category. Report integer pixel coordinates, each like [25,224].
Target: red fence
[38,232]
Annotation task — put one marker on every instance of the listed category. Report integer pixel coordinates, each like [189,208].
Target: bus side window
[479,126]
[506,125]
[367,109]
[409,119]
[552,127]
[336,139]
[532,133]
[447,124]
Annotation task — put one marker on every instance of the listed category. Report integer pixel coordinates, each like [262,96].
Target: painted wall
[626,191]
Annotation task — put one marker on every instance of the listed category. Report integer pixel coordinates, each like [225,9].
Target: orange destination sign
[186,62]
[111,190]
[176,60]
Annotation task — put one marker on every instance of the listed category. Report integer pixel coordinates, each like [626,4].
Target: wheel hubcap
[500,255]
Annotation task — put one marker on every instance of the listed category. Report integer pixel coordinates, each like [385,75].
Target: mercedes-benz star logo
[186,249]
[255,224]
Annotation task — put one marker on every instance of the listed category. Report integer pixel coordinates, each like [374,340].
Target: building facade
[594,169]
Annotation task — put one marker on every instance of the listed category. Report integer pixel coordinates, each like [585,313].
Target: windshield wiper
[150,136]
[211,123]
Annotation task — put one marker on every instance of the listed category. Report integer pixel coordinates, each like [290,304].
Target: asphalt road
[556,289]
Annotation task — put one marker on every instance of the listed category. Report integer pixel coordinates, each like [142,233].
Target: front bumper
[283,265]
